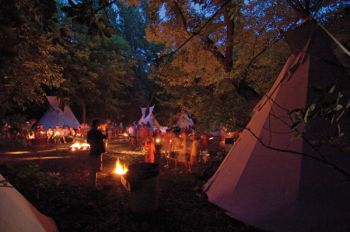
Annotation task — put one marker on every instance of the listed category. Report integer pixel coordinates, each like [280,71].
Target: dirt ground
[59,187]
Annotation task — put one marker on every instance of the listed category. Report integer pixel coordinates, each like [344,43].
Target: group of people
[55,135]
[30,133]
[180,144]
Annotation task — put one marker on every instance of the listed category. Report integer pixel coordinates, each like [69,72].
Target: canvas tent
[55,116]
[17,214]
[184,121]
[283,191]
[70,118]
[148,118]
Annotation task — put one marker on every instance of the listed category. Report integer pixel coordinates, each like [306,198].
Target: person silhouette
[95,138]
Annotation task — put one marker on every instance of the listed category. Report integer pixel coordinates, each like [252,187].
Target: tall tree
[108,36]
[132,23]
[27,51]
[222,43]
[97,73]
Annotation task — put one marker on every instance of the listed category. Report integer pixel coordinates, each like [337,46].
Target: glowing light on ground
[120,168]
[79,146]
[127,152]
[16,152]
[45,158]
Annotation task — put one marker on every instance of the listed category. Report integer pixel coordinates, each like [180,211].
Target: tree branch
[209,45]
[230,24]
[105,6]
[194,33]
[257,55]
[323,157]
[320,160]
[180,15]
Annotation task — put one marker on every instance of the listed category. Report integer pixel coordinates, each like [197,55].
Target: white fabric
[69,117]
[143,112]
[148,119]
[19,215]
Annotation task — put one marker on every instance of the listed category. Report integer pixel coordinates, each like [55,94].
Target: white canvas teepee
[17,214]
[69,117]
[148,118]
[54,116]
[286,191]
[184,121]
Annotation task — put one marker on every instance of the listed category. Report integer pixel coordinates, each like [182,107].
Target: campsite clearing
[67,198]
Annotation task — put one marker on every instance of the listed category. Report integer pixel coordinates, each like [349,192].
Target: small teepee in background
[184,121]
[148,118]
[55,116]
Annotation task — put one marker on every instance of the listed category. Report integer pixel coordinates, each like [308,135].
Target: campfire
[120,168]
[79,146]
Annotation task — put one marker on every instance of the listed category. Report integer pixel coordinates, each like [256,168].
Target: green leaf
[309,110]
[347,104]
[332,88]
[338,107]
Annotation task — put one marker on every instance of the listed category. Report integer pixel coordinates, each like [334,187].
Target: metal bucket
[141,181]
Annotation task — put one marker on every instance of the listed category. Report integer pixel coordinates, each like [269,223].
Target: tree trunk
[230,24]
[83,111]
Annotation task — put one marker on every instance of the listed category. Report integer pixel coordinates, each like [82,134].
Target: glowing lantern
[125,134]
[120,168]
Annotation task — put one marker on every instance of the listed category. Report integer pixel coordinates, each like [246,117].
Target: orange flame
[120,168]
[79,146]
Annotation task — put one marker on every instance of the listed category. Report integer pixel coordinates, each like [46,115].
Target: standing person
[65,131]
[194,150]
[183,147]
[97,147]
[143,134]
[132,131]
[167,140]
[50,135]
[150,150]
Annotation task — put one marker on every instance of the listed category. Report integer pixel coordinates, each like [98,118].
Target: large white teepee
[69,117]
[54,116]
[282,191]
